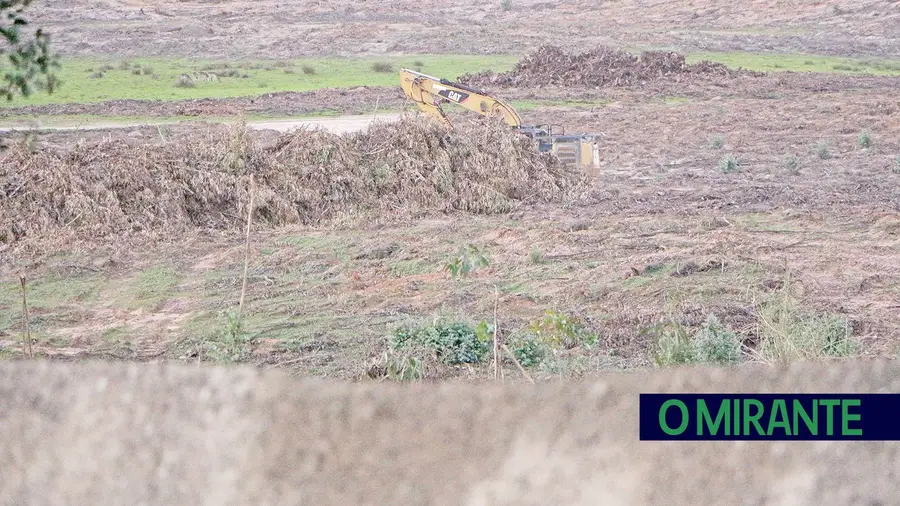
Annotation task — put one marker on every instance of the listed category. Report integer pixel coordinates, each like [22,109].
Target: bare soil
[270,29]
[810,192]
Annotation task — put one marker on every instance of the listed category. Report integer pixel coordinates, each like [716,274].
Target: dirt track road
[337,124]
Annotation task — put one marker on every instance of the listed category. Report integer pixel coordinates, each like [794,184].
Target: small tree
[28,59]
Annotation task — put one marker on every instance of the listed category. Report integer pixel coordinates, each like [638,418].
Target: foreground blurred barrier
[145,434]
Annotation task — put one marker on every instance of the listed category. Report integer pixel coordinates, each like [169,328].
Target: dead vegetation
[603,66]
[307,176]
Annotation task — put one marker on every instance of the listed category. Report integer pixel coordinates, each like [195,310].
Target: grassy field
[97,80]
[801,63]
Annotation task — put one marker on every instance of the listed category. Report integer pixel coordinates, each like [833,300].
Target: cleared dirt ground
[279,29]
[809,191]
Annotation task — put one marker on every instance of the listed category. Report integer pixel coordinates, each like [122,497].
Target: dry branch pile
[550,65]
[307,176]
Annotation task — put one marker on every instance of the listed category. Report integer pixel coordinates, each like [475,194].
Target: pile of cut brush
[604,66]
[413,166]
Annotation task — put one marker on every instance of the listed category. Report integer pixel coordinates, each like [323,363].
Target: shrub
[308,69]
[529,351]
[466,261]
[561,330]
[452,342]
[822,150]
[715,343]
[787,332]
[865,139]
[717,142]
[535,256]
[506,5]
[382,67]
[728,164]
[792,163]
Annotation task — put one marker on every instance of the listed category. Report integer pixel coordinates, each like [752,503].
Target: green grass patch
[801,63]
[152,286]
[83,81]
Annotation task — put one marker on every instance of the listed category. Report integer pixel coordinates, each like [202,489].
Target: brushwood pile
[308,176]
[603,66]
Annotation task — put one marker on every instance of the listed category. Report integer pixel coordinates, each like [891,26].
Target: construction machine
[575,150]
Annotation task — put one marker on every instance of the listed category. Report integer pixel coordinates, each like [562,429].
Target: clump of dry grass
[308,176]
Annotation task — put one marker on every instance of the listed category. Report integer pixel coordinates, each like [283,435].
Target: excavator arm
[429,92]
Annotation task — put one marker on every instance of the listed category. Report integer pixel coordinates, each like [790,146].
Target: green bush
[529,351]
[561,330]
[715,343]
[452,342]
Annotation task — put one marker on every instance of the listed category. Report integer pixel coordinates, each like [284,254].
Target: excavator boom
[429,92]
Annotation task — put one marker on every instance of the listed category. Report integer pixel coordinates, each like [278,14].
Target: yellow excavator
[576,150]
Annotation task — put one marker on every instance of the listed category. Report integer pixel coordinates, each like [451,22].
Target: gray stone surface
[148,434]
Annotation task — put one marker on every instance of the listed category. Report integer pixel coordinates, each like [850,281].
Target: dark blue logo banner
[774,417]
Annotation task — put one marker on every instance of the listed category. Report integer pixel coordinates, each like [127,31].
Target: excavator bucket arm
[429,92]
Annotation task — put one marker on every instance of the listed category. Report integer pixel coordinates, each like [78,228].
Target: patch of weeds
[452,342]
[717,142]
[405,268]
[729,163]
[96,75]
[672,344]
[560,330]
[382,67]
[154,284]
[124,65]
[136,71]
[823,151]
[468,259]
[185,82]
[536,257]
[397,367]
[506,5]
[308,69]
[865,139]
[222,339]
[418,64]
[712,343]
[788,332]
[147,70]
[106,68]
[896,168]
[529,351]
[792,164]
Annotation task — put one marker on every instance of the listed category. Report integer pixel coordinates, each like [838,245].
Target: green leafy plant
[717,142]
[729,163]
[865,139]
[232,344]
[397,367]
[792,164]
[822,150]
[466,261]
[29,61]
[530,352]
[715,343]
[536,257]
[452,342]
[672,344]
[561,330]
